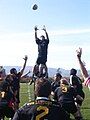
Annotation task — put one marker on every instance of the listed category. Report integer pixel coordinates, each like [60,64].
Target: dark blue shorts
[41,60]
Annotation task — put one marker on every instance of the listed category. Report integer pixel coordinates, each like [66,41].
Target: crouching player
[65,95]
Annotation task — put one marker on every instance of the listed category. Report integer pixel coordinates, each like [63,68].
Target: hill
[51,71]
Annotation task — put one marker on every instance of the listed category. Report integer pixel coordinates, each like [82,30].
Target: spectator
[42,108]
[16,81]
[83,69]
[42,54]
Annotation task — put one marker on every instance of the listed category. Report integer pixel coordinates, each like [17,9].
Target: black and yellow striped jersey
[41,110]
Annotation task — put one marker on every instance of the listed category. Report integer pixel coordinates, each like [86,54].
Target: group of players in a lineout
[54,100]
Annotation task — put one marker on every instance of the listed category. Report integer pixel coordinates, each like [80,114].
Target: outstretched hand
[25,58]
[79,52]
[44,28]
[35,28]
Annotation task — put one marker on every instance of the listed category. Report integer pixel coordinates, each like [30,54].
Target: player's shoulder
[26,107]
[29,104]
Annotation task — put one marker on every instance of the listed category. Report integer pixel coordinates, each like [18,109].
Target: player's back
[41,111]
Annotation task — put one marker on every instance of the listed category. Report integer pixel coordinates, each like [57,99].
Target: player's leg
[35,70]
[43,68]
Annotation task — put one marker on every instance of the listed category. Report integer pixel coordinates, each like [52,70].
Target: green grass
[86,105]
[25,97]
[85,109]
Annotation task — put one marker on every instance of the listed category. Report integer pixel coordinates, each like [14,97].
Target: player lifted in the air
[40,68]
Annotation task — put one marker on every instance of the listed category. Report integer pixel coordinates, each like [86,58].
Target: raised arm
[25,75]
[44,28]
[24,65]
[36,32]
[81,64]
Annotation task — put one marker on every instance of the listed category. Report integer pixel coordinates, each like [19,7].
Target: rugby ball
[35,7]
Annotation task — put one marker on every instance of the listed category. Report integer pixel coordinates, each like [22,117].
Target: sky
[67,23]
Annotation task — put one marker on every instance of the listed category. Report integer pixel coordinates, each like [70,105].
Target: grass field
[27,93]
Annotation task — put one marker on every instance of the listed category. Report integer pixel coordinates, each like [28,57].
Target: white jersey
[87,82]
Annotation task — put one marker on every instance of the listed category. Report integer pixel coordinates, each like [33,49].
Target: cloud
[69,32]
[52,33]
[15,45]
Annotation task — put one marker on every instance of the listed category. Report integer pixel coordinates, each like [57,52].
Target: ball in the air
[35,7]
